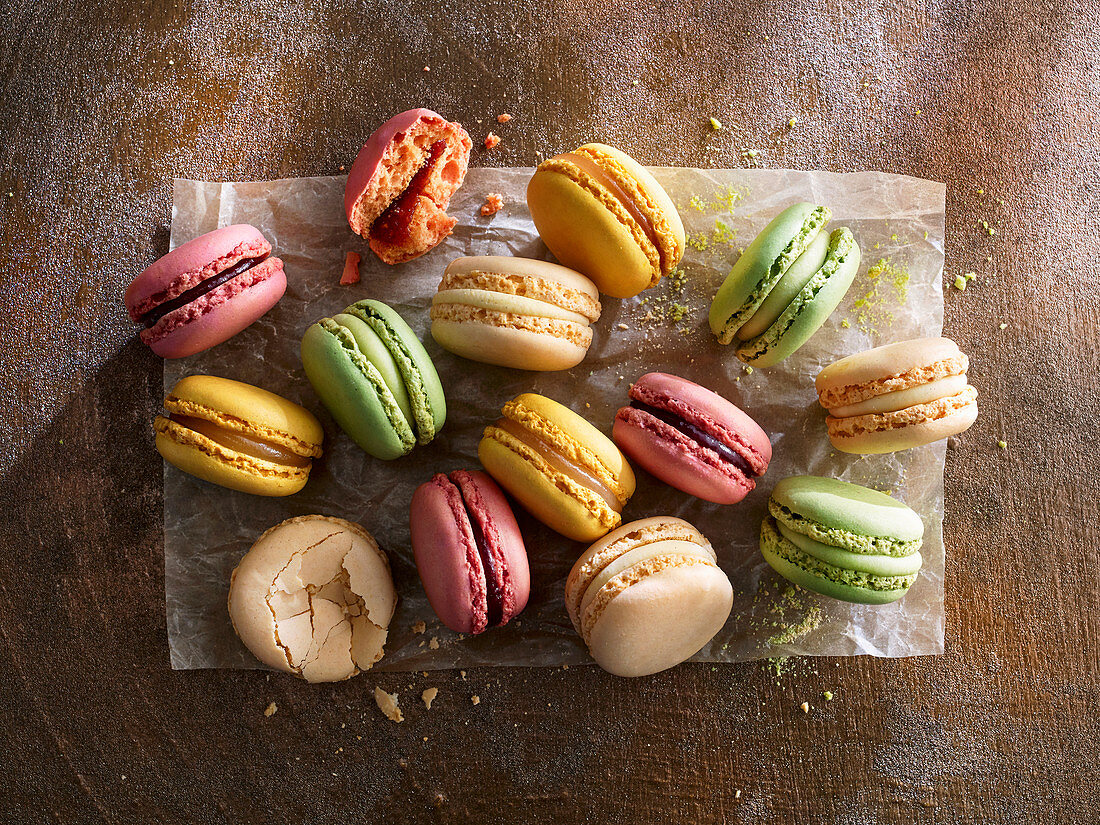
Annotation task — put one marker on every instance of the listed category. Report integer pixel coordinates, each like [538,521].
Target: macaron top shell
[191,263]
[314,597]
[890,368]
[846,515]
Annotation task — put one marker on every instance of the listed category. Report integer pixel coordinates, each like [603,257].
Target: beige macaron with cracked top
[515,312]
[647,596]
[314,597]
[897,396]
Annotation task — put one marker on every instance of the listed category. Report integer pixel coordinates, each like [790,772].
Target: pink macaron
[692,438]
[401,182]
[469,551]
[205,291]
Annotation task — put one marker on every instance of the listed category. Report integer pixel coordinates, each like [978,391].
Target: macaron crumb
[419,627]
[504,117]
[428,696]
[805,706]
[845,324]
[1002,325]
[827,696]
[492,141]
[433,643]
[623,326]
[387,703]
[427,68]
[462,673]
[792,122]
[715,124]
[494,202]
[350,275]
[960,282]
[1002,444]
[475,700]
[270,710]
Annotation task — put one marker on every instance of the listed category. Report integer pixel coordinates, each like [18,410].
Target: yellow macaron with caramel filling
[515,312]
[564,471]
[603,214]
[237,435]
[897,396]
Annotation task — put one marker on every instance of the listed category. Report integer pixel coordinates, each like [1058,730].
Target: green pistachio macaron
[785,285]
[842,540]
[375,378]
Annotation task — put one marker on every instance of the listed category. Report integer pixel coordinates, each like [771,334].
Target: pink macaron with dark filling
[206,291]
[469,551]
[401,182]
[692,438]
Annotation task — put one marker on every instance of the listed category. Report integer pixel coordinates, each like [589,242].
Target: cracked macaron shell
[659,596]
[835,572]
[515,312]
[375,378]
[442,518]
[587,227]
[238,408]
[681,461]
[314,597]
[576,510]
[897,396]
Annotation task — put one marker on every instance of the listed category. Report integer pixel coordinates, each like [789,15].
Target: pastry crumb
[387,703]
[270,709]
[491,141]
[1002,325]
[623,326]
[960,282]
[475,700]
[805,707]
[792,122]
[715,124]
[419,627]
[428,696]
[427,68]
[503,118]
[737,795]
[350,275]
[433,643]
[494,201]
[827,696]
[1002,444]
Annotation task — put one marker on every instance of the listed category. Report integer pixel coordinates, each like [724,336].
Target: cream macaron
[647,596]
[898,396]
[515,312]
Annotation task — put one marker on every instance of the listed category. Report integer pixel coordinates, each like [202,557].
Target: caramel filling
[605,180]
[560,463]
[241,443]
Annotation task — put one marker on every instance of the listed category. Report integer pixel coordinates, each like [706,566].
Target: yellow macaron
[237,435]
[603,214]
[564,471]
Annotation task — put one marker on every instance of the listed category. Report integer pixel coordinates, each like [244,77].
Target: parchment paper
[899,223]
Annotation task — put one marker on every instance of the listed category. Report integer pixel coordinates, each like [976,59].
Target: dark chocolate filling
[392,226]
[695,433]
[200,289]
[494,594]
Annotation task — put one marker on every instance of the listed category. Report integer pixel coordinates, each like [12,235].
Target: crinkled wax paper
[899,222]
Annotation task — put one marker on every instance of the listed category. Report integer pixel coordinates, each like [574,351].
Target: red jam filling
[392,226]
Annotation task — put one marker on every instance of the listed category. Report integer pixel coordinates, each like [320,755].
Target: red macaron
[692,438]
[469,551]
[401,182]
[206,291]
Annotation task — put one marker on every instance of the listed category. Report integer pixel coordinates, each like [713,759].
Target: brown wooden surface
[103,103]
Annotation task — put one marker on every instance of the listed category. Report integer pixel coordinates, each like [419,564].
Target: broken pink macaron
[469,551]
[205,291]
[401,182]
[692,438]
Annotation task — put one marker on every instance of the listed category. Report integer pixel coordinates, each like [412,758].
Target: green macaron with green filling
[785,285]
[375,378]
[842,540]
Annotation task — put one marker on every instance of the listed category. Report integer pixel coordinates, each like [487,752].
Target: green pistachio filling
[879,545]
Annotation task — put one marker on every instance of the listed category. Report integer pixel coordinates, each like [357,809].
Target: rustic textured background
[102,103]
